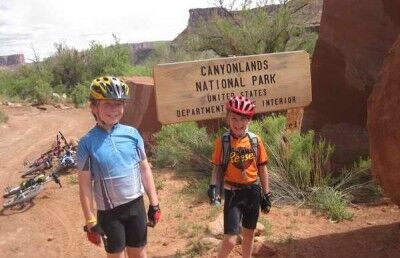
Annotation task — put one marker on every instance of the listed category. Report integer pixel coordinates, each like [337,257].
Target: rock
[41,107]
[56,96]
[353,42]
[11,60]
[10,104]
[61,106]
[210,241]
[384,124]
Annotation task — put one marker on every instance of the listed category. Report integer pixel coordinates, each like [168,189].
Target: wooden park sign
[198,90]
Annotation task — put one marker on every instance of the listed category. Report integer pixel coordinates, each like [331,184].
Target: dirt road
[51,227]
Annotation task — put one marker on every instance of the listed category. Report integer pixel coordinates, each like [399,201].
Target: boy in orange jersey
[240,157]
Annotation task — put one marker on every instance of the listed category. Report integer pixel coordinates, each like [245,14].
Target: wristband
[91,221]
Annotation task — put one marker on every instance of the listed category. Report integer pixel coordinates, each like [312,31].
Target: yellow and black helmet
[108,87]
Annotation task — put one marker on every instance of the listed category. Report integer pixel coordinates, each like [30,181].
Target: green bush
[141,71]
[297,162]
[171,52]
[41,93]
[357,182]
[80,94]
[28,82]
[332,202]
[248,31]
[184,146]
[299,165]
[68,67]
[28,87]
[113,60]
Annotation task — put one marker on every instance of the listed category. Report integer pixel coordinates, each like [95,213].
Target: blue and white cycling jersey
[113,160]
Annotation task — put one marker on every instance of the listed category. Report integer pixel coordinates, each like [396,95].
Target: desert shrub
[332,202]
[297,162]
[141,71]
[68,67]
[171,52]
[184,146]
[357,182]
[41,92]
[28,82]
[67,71]
[112,60]
[80,94]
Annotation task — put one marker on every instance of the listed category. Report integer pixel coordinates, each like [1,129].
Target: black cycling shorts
[125,225]
[242,206]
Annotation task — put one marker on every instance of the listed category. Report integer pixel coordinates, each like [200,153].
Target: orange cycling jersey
[242,165]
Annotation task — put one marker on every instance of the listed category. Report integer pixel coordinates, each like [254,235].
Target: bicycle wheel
[11,191]
[42,166]
[26,195]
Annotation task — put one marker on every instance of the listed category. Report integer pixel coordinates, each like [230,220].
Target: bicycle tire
[36,169]
[26,195]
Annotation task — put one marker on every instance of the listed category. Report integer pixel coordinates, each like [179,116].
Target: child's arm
[86,196]
[216,185]
[148,182]
[154,212]
[214,176]
[264,179]
[265,202]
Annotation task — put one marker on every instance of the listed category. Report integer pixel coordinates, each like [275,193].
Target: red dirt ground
[52,226]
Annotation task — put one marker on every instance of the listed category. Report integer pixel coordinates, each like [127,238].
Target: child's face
[108,111]
[238,124]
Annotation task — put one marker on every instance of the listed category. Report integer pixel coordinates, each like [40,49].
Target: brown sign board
[198,90]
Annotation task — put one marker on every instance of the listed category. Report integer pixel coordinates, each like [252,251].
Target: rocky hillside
[305,12]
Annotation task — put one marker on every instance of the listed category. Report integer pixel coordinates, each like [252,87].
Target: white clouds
[40,23]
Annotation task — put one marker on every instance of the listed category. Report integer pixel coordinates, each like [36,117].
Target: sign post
[198,90]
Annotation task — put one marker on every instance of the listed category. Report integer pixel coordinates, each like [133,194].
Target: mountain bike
[44,162]
[65,155]
[27,190]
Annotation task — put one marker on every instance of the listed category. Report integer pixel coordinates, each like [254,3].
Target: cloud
[43,22]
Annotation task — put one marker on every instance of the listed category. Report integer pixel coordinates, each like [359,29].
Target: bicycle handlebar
[56,179]
[63,138]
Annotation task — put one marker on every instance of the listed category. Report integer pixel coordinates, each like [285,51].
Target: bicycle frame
[21,195]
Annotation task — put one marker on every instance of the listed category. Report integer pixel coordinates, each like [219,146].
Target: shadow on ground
[373,241]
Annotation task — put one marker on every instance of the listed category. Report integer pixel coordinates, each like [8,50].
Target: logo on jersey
[241,158]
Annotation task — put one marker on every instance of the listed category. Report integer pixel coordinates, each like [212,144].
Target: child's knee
[231,240]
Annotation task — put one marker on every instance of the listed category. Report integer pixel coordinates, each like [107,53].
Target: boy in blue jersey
[114,171]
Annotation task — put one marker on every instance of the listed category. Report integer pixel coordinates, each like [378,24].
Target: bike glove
[265,202]
[153,215]
[94,234]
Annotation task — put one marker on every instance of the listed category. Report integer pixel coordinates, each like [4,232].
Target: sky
[38,24]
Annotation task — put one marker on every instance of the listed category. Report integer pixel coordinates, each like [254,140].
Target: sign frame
[198,90]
